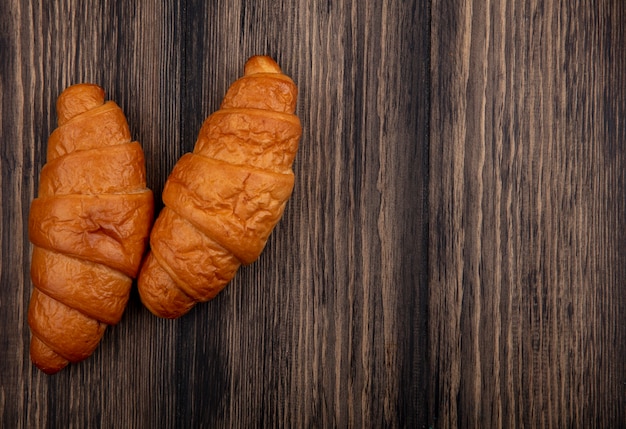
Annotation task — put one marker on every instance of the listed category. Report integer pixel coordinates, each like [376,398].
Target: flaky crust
[223,200]
[89,227]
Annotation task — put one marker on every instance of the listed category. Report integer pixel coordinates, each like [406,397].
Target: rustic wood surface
[527,307]
[452,256]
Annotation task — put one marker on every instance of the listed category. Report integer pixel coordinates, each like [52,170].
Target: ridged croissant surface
[89,227]
[223,200]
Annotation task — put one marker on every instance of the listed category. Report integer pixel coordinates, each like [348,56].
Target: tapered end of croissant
[261,64]
[78,99]
[45,358]
[264,87]
[159,293]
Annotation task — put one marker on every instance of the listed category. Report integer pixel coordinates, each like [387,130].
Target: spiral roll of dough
[89,227]
[223,200]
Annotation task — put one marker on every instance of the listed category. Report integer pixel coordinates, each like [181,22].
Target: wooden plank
[16,107]
[328,328]
[527,165]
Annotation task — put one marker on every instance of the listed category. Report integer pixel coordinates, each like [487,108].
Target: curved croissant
[223,200]
[89,227]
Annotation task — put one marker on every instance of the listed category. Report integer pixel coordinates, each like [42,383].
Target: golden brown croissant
[223,200]
[89,226]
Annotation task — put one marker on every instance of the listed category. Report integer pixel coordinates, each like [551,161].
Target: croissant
[223,200]
[89,227]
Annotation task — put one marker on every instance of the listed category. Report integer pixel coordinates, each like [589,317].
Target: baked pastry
[223,200]
[89,227]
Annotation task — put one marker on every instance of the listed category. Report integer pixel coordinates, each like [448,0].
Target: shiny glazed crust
[224,199]
[89,227]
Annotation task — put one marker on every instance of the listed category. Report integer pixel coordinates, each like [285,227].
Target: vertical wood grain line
[388,292]
[14,246]
[474,122]
[449,76]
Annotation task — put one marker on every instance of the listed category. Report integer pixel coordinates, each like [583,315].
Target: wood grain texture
[329,327]
[452,255]
[527,161]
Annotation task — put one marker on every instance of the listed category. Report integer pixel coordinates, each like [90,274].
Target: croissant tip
[48,370]
[261,64]
[84,87]
[77,99]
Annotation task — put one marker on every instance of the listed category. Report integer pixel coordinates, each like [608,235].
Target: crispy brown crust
[77,99]
[106,170]
[68,332]
[94,289]
[196,263]
[109,229]
[223,201]
[234,205]
[254,138]
[89,226]
[159,292]
[265,91]
[100,127]
[45,358]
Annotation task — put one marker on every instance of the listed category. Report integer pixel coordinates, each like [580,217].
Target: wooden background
[453,254]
